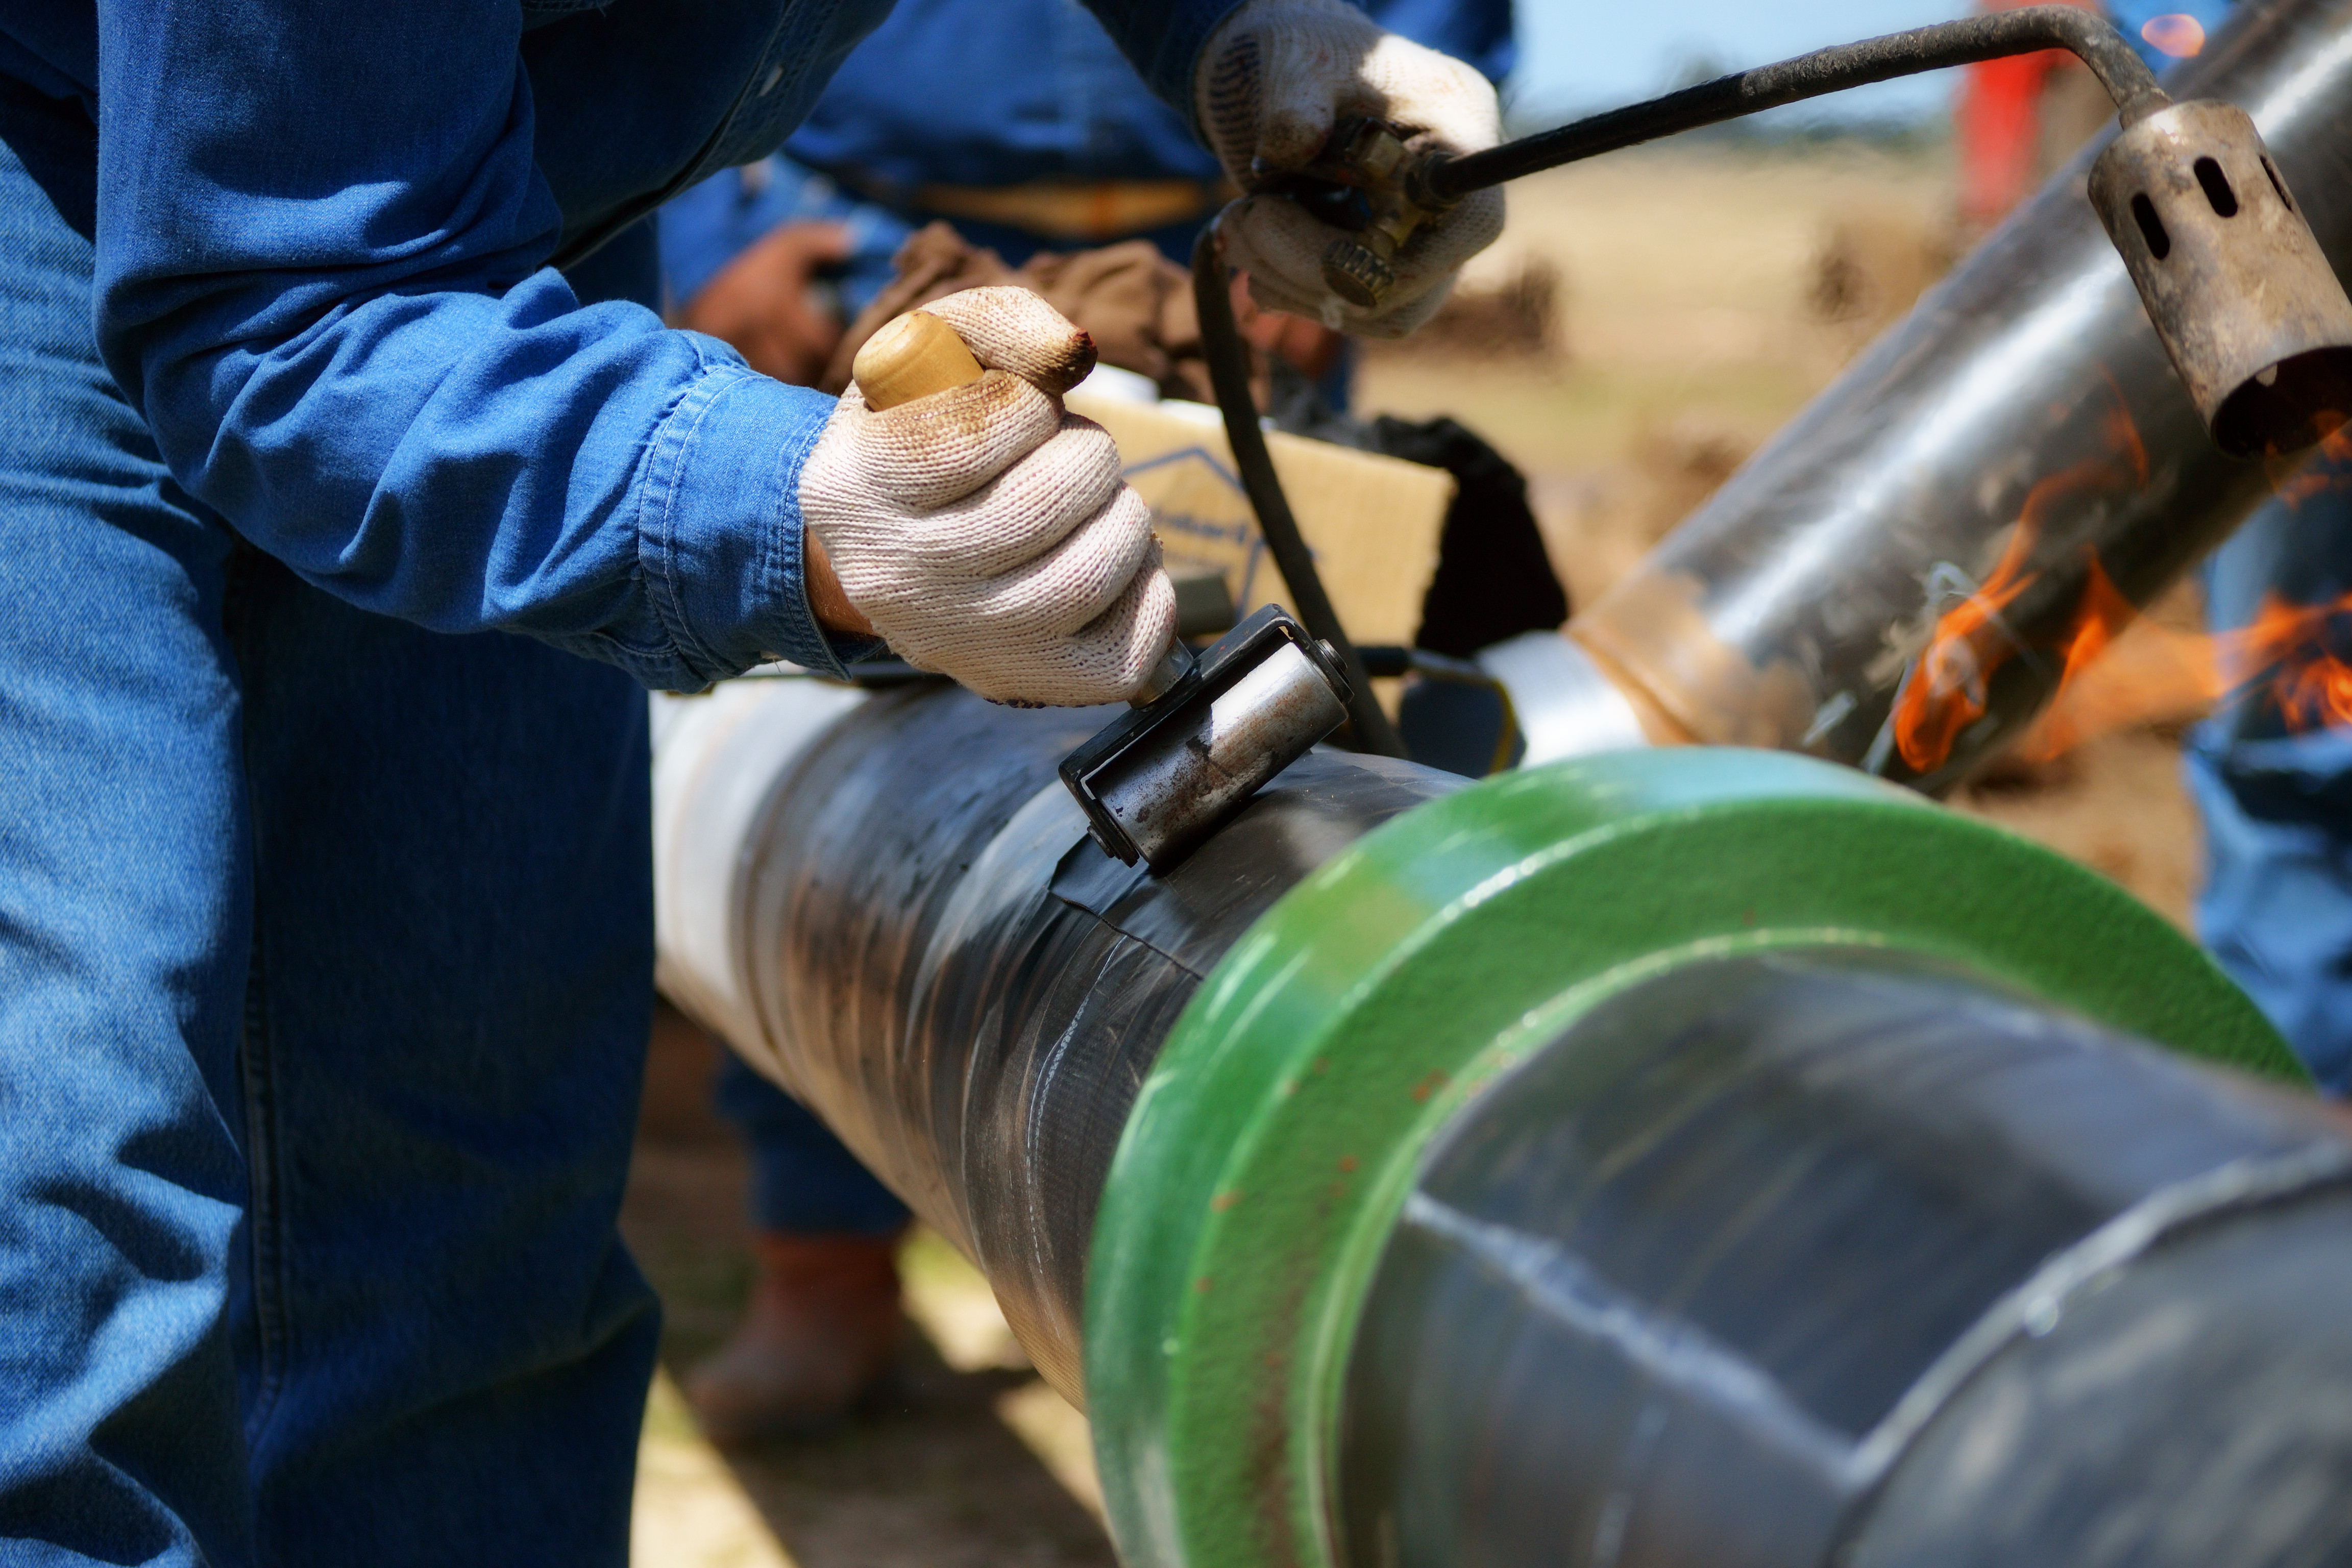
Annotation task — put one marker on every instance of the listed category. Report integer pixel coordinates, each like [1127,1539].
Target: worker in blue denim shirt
[351,488]
[930,118]
[1018,122]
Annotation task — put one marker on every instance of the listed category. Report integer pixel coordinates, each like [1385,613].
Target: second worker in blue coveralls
[325,923]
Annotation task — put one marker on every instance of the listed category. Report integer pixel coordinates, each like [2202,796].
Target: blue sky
[1590,54]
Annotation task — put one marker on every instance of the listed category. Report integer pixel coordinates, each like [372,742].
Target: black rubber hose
[2118,67]
[1229,372]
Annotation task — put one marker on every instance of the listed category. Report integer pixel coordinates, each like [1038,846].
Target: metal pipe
[892,905]
[1723,1274]
[1898,580]
[1193,1127]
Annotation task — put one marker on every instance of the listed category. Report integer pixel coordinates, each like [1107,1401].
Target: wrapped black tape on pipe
[1745,1266]
[1840,1257]
[969,991]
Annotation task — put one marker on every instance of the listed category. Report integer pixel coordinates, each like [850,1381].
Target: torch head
[2245,303]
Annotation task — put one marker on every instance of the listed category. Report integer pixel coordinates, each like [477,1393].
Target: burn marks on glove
[1229,100]
[1014,331]
[940,449]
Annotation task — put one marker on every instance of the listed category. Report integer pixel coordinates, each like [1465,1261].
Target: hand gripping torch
[1202,735]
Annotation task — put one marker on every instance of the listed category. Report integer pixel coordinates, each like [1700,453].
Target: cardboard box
[1372,522]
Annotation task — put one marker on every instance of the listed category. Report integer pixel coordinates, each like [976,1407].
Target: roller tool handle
[912,356]
[917,354]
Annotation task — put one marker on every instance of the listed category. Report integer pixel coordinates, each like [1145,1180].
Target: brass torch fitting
[1371,156]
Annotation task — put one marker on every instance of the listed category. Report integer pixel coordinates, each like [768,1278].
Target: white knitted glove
[986,532]
[1273,80]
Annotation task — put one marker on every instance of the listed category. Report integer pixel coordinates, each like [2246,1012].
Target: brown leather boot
[818,1335]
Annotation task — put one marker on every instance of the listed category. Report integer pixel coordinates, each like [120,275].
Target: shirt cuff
[719,527]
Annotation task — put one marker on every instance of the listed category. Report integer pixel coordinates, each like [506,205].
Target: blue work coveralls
[2274,789]
[324,908]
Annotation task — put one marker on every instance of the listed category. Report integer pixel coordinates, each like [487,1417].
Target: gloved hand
[1275,77]
[985,532]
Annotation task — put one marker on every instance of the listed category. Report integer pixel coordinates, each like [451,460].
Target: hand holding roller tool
[1202,737]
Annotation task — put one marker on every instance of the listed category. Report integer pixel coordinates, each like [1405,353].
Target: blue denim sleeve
[1162,39]
[321,241]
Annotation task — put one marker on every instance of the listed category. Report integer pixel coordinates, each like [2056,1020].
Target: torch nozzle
[2253,317]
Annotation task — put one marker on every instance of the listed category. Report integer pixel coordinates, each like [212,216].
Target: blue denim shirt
[323,237]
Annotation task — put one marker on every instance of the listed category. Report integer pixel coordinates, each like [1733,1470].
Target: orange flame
[2103,615]
[2176,33]
[2307,475]
[2169,674]
[1949,687]
[2160,675]
[2310,686]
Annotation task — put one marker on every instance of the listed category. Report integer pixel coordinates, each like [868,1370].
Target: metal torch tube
[1840,68]
[1897,580]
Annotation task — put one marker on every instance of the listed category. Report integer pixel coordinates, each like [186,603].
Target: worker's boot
[817,1335]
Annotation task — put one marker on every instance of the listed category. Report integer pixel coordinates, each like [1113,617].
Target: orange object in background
[1998,122]
[2176,34]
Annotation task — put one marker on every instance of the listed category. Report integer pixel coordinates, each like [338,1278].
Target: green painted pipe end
[1281,1128]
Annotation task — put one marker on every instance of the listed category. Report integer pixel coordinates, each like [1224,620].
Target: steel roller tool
[1203,734]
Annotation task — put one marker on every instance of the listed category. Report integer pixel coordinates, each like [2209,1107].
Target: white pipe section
[720,759]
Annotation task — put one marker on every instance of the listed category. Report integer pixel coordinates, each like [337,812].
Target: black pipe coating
[1841,1257]
[972,991]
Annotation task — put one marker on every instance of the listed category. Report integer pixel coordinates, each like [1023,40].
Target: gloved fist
[1273,79]
[984,531]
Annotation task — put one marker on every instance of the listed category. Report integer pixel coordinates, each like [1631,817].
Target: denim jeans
[804,1181]
[325,974]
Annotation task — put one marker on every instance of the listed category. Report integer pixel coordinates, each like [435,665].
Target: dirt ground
[967,1461]
[1703,296]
